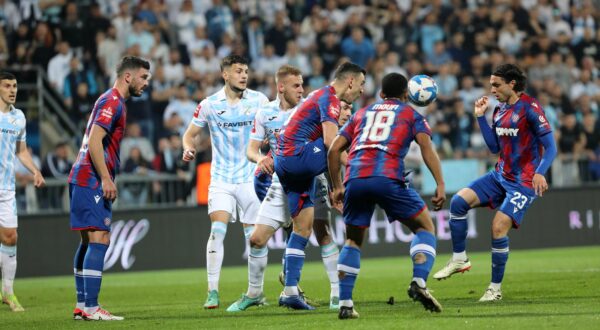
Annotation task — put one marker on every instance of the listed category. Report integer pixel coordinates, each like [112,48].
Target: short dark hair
[4,75]
[394,85]
[346,68]
[230,60]
[510,72]
[131,63]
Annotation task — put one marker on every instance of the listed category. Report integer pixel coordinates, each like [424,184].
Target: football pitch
[543,289]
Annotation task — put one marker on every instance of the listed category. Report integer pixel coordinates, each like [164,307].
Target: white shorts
[232,197]
[273,210]
[321,198]
[8,209]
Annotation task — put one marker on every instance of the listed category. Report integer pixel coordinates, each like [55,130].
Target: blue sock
[294,259]
[458,223]
[349,263]
[423,242]
[499,258]
[78,271]
[93,265]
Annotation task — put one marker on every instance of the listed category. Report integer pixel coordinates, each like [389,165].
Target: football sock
[499,258]
[348,268]
[294,260]
[78,271]
[8,254]
[330,255]
[458,227]
[214,253]
[93,264]
[423,244]
[257,262]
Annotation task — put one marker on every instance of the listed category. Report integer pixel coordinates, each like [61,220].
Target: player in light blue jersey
[12,142]
[229,115]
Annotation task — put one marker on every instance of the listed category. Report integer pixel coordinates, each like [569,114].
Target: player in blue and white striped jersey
[229,115]
[12,143]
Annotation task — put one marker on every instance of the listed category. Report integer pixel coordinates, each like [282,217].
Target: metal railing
[155,190]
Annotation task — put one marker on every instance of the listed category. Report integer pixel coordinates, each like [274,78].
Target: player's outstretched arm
[334,155]
[481,106]
[431,159]
[96,149]
[189,149]
[25,158]
[539,181]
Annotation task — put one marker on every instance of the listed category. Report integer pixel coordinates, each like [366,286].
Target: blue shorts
[297,174]
[89,210]
[397,200]
[509,197]
[262,182]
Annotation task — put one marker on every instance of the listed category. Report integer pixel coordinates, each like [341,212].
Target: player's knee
[257,242]
[10,237]
[419,258]
[458,205]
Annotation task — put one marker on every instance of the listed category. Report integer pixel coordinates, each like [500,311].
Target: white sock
[80,305]
[257,263]
[291,291]
[346,303]
[495,286]
[8,254]
[459,256]
[330,254]
[214,254]
[420,282]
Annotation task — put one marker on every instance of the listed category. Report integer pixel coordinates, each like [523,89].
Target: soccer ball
[422,90]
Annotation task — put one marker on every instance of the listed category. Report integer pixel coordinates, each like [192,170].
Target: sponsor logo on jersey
[97,198]
[316,149]
[271,118]
[221,112]
[514,118]
[334,110]
[235,124]
[501,131]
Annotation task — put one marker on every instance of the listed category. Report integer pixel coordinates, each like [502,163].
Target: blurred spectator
[135,193]
[329,51]
[571,140]
[557,26]
[71,28]
[58,67]
[447,84]
[294,57]
[139,109]
[169,161]
[591,164]
[42,48]
[93,24]
[180,111]
[358,48]
[254,36]
[269,62]
[78,75]
[123,23]
[139,35]
[187,21]
[9,15]
[174,70]
[460,123]
[279,34]
[469,93]
[219,20]
[134,139]
[56,163]
[109,52]
[440,56]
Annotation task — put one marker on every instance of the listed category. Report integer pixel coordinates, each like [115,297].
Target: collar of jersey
[222,97]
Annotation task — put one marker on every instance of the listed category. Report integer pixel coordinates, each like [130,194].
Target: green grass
[550,288]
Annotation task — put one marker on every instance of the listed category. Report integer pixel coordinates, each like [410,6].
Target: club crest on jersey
[107,222]
[542,119]
[501,131]
[514,118]
[107,113]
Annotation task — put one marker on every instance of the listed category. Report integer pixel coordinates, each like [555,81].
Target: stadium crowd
[557,43]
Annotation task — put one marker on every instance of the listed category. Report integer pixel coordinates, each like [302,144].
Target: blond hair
[286,70]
